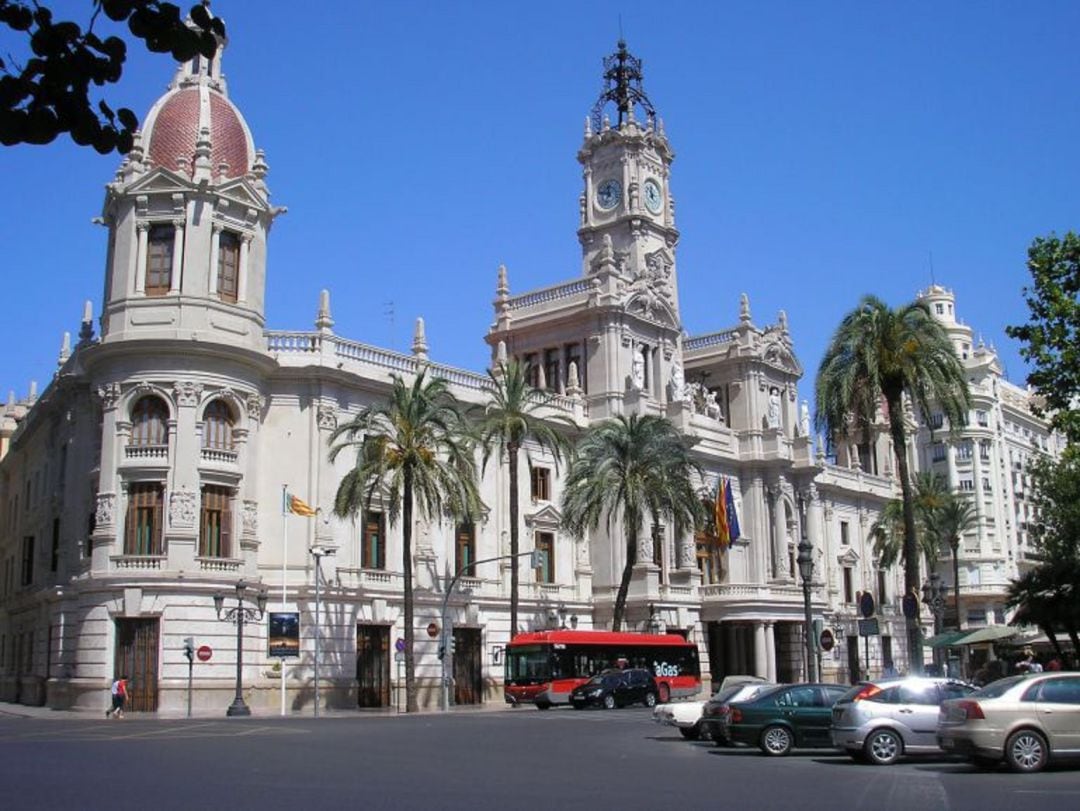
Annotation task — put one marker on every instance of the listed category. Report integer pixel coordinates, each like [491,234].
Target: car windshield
[603,680]
[723,696]
[998,688]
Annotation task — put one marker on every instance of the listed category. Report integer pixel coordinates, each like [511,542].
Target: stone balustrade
[219,456]
[547,295]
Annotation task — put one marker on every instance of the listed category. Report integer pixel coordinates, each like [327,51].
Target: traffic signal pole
[446,639]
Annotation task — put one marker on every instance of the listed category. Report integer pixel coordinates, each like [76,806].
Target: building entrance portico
[769,649]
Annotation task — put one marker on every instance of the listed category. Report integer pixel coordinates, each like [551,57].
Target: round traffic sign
[866,604]
[910,605]
[432,630]
[204,653]
[827,640]
[399,645]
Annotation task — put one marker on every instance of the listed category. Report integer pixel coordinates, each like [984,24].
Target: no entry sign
[204,653]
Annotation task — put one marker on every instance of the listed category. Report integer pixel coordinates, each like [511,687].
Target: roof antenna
[620,27]
[388,313]
[933,279]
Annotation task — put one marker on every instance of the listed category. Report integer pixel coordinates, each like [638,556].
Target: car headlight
[596,692]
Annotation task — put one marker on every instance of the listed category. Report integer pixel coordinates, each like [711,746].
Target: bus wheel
[543,705]
[664,696]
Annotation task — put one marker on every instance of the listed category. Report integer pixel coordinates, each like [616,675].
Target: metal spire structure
[622,85]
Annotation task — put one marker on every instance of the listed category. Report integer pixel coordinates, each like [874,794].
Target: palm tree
[414,451]
[511,416]
[877,356]
[887,533]
[638,467]
[946,525]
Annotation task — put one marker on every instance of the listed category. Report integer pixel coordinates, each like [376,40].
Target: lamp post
[239,616]
[318,552]
[806,572]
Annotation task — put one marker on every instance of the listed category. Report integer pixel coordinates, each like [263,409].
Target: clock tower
[627,213]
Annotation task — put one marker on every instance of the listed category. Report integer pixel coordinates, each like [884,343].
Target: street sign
[204,653]
[910,606]
[827,640]
[399,645]
[869,627]
[399,656]
[866,604]
[433,629]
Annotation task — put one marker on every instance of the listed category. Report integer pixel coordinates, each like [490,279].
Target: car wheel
[609,702]
[776,741]
[1026,751]
[983,762]
[665,693]
[691,733]
[724,742]
[883,747]
[650,699]
[543,705]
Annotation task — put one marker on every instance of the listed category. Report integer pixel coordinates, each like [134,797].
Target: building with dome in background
[148,475]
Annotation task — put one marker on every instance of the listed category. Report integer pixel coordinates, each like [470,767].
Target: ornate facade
[148,475]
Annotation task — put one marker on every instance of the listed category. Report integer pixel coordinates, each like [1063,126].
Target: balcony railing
[147,452]
[145,562]
[211,564]
[219,456]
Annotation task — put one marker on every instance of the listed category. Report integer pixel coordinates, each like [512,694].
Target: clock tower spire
[627,213]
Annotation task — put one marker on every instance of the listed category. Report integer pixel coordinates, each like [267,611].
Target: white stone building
[148,474]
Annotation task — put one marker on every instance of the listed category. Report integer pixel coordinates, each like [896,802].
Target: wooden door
[468,670]
[853,659]
[373,665]
[137,658]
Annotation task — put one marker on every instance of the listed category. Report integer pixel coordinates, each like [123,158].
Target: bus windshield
[528,663]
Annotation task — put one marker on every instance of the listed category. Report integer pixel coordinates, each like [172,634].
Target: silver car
[881,721]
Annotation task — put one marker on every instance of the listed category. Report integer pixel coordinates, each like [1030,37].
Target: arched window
[150,422]
[218,426]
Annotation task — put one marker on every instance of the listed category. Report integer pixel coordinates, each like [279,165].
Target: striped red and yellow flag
[298,506]
[720,517]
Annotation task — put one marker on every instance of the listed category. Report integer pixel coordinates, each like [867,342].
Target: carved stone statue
[804,419]
[637,372]
[772,418]
[712,407]
[679,390]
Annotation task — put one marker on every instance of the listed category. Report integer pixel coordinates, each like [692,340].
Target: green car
[779,720]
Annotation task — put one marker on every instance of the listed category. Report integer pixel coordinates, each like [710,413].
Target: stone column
[107,520]
[178,255]
[770,651]
[182,491]
[242,281]
[248,489]
[139,274]
[730,649]
[761,666]
[780,567]
[215,249]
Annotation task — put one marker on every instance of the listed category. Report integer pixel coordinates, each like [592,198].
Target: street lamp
[806,572]
[318,552]
[240,615]
[934,593]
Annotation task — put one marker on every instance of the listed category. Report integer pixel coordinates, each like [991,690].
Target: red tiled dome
[175,129]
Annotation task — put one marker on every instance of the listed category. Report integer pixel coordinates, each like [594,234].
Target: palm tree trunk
[1049,631]
[411,703]
[627,573]
[956,579]
[911,550]
[512,452]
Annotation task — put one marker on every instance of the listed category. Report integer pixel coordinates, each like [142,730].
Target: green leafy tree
[1056,499]
[414,452]
[49,93]
[513,415]
[887,533]
[1048,597]
[945,526]
[1052,335]
[879,355]
[634,467]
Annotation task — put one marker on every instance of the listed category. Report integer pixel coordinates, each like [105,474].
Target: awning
[991,633]
[946,638]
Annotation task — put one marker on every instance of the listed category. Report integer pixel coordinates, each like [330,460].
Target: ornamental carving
[249,517]
[182,509]
[104,509]
[255,405]
[327,416]
[187,393]
[687,552]
[109,394]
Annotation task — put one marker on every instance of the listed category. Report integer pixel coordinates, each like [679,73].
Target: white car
[686,715]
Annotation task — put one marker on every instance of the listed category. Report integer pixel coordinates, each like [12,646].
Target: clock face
[654,201]
[608,194]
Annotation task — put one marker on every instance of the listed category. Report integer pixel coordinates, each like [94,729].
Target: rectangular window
[882,582]
[465,546]
[658,545]
[551,369]
[708,559]
[982,418]
[228,276]
[54,555]
[216,524]
[532,370]
[849,585]
[27,561]
[967,485]
[937,420]
[937,451]
[984,450]
[986,485]
[845,533]
[963,451]
[545,542]
[541,483]
[159,260]
[143,536]
[373,542]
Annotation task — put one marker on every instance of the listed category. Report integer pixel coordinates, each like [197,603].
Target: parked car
[617,688]
[779,720]
[1027,721]
[716,709]
[686,716]
[882,721]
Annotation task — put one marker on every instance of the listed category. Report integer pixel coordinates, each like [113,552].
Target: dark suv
[616,688]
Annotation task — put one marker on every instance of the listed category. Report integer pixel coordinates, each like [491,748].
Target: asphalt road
[520,759]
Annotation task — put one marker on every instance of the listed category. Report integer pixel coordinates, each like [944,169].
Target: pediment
[241,192]
[647,304]
[849,557]
[547,517]
[779,355]
[160,181]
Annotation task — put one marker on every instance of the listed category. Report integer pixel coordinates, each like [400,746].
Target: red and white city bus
[543,667]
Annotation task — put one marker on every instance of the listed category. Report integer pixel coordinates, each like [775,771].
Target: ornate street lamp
[934,593]
[240,615]
[805,561]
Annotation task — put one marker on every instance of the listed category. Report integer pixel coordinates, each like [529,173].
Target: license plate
[948,743]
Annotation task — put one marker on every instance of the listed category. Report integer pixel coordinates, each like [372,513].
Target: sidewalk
[8,710]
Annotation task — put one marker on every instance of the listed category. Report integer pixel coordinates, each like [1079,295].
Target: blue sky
[824,151]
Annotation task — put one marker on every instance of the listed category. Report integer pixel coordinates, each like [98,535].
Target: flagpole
[284,571]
